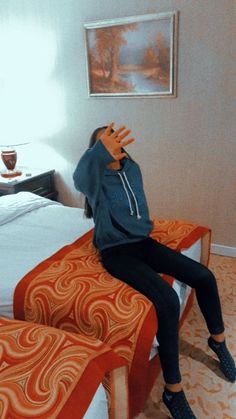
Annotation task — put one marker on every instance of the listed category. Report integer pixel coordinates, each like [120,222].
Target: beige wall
[186,146]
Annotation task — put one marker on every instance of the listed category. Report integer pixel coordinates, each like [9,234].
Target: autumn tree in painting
[157,60]
[163,55]
[150,58]
[104,58]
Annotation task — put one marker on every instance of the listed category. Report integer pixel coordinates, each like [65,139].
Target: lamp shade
[11,143]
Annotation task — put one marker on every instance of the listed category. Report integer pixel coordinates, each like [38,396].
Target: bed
[52,275]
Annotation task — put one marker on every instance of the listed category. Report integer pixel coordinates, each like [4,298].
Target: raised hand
[114,140]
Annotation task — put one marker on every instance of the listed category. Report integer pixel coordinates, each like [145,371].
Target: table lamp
[9,158]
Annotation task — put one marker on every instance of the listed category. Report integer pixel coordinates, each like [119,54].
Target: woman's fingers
[119,136]
[117,132]
[108,129]
[124,134]
[115,141]
[126,142]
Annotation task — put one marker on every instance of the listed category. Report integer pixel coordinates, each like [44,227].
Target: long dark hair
[88,212]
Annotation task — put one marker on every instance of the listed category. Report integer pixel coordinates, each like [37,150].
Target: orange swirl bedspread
[47,373]
[72,291]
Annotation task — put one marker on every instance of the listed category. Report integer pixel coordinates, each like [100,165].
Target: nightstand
[40,182]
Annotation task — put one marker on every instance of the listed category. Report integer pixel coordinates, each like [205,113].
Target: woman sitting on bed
[112,184]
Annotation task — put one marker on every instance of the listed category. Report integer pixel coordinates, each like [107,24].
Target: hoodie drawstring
[123,183]
[132,193]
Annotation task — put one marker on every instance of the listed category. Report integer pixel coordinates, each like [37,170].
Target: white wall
[185,146]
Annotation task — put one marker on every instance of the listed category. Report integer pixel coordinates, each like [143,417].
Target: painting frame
[133,56]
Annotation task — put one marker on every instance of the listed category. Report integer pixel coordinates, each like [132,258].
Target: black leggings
[137,264]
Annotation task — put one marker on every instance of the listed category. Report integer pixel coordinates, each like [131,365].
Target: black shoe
[177,404]
[227,364]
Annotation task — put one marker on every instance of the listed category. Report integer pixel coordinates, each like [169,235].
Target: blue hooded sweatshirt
[117,198]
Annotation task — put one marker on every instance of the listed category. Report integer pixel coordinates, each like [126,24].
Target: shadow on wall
[32,103]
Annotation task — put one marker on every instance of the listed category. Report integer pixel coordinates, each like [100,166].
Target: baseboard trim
[218,249]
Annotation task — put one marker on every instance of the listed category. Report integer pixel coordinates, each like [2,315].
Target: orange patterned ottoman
[49,373]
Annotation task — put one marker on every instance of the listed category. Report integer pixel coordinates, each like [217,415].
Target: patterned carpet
[207,391]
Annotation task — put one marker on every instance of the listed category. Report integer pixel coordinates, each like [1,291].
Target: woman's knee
[205,279]
[168,305]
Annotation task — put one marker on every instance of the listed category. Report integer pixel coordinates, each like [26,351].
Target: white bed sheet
[98,407]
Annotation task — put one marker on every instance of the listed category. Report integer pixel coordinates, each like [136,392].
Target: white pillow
[15,205]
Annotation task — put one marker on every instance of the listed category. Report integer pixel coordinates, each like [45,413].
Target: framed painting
[133,56]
